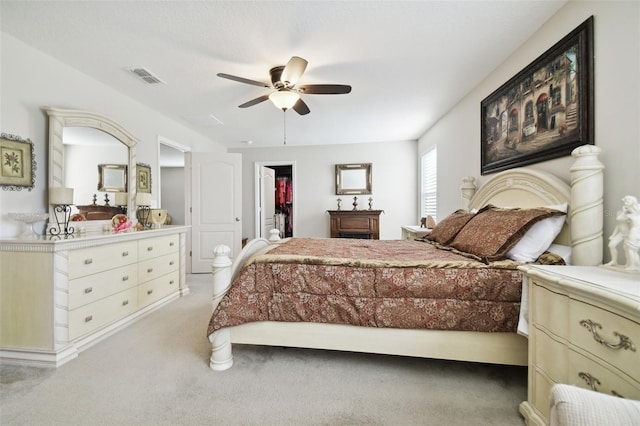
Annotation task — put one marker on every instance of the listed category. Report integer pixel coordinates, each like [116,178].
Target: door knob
[237,219]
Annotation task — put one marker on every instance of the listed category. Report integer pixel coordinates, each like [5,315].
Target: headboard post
[467,189]
[586,206]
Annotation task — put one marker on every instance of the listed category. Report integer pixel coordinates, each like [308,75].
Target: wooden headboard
[525,187]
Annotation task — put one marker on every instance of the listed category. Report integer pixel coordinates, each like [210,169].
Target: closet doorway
[275,198]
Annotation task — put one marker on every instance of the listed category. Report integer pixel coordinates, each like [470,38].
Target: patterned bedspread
[372,283]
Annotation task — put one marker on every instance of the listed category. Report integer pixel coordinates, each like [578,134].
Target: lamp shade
[59,196]
[143,199]
[284,99]
[122,198]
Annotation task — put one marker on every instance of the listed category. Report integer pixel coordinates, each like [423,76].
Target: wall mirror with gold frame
[112,177]
[353,179]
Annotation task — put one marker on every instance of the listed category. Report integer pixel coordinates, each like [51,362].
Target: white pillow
[538,238]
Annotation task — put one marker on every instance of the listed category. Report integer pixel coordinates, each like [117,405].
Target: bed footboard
[224,271]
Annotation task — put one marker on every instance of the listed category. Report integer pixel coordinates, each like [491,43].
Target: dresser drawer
[540,391]
[550,310]
[589,374]
[551,356]
[158,288]
[153,268]
[154,247]
[97,259]
[90,288]
[88,318]
[593,329]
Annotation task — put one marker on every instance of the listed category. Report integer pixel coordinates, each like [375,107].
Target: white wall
[30,79]
[173,196]
[617,106]
[394,184]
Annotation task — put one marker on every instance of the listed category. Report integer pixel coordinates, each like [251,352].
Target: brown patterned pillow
[447,229]
[493,231]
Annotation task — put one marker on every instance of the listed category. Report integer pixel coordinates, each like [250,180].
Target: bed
[357,321]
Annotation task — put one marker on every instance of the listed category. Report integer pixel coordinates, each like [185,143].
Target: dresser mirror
[353,179]
[69,131]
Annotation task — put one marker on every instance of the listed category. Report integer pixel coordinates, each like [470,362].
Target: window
[429,175]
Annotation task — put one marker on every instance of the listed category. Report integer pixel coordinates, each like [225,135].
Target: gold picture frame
[17,169]
[143,178]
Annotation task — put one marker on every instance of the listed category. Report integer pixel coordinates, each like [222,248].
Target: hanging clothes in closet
[284,199]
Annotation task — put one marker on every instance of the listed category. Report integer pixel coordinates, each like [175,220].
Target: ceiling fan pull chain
[284,124]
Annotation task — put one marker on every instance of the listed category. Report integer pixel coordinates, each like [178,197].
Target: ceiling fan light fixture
[284,99]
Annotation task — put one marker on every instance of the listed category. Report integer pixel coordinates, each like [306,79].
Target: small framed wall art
[143,177]
[18,163]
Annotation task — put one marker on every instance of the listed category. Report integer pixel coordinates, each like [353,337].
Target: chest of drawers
[58,297]
[363,224]
[584,331]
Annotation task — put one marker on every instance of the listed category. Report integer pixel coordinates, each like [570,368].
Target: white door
[267,200]
[216,207]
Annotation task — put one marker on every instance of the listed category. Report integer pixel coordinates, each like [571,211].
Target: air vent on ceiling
[146,76]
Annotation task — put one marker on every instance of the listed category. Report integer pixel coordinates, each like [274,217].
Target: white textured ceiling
[408,62]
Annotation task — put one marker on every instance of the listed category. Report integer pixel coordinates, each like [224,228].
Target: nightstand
[411,232]
[584,330]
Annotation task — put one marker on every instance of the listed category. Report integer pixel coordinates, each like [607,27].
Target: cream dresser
[60,296]
[584,330]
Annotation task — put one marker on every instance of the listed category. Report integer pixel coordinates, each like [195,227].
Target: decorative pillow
[539,237]
[447,229]
[493,231]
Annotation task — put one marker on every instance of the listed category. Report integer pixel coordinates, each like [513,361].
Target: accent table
[584,330]
[411,232]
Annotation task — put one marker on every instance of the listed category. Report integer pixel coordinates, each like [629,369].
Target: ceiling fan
[287,94]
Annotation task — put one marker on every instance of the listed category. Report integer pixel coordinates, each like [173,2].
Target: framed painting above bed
[543,112]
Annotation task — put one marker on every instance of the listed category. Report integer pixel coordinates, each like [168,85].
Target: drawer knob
[149,248]
[125,253]
[171,244]
[88,290]
[171,282]
[89,318]
[125,303]
[171,263]
[150,270]
[149,291]
[88,261]
[125,278]
[624,343]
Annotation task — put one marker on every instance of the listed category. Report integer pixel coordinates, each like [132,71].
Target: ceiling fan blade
[242,80]
[254,101]
[301,108]
[324,89]
[293,71]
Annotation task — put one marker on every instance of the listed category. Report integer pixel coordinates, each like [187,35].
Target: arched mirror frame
[61,118]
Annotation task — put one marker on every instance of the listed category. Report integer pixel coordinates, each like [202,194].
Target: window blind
[429,175]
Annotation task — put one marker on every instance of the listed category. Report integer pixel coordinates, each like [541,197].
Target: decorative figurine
[339,203]
[355,203]
[370,203]
[627,232]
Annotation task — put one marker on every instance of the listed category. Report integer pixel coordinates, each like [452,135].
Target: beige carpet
[156,372]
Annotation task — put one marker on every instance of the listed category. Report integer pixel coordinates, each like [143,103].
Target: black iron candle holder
[62,227]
